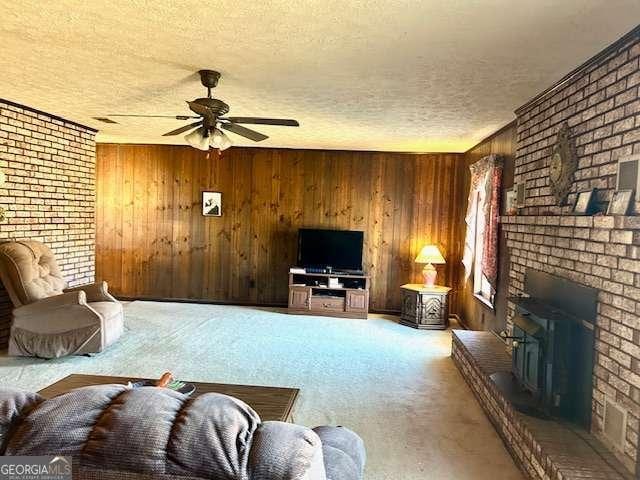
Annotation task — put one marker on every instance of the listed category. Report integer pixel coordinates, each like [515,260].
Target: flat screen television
[339,249]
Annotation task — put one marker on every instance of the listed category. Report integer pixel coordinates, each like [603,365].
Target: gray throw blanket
[112,431]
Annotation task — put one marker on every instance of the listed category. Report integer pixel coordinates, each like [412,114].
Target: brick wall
[602,106]
[49,194]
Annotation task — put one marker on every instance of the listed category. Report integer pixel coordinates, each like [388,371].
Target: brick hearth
[544,449]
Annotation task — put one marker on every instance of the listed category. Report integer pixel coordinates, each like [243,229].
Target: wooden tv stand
[310,294]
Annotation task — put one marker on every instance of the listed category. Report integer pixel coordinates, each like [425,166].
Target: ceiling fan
[211,120]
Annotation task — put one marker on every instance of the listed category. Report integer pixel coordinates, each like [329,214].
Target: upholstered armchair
[50,320]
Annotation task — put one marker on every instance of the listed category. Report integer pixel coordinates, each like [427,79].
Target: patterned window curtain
[483,207]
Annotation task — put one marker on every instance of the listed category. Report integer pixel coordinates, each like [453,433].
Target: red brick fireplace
[598,252]
[600,102]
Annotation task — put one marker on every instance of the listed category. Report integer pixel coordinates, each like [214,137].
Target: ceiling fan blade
[285,122]
[182,129]
[176,117]
[104,120]
[244,132]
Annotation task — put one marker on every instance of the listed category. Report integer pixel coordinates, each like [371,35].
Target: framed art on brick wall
[620,203]
[585,203]
[628,174]
[521,194]
[510,202]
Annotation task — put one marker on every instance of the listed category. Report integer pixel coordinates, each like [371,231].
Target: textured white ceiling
[403,75]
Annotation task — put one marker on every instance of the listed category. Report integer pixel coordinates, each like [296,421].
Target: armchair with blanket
[49,320]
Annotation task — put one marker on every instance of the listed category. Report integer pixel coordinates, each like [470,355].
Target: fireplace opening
[552,349]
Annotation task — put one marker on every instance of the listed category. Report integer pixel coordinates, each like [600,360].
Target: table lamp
[429,255]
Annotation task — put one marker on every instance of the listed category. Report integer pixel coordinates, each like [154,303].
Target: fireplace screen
[553,348]
[527,352]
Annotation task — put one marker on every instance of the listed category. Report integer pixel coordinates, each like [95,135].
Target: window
[481,287]
[481,241]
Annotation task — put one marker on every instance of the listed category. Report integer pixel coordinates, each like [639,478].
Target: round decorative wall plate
[563,165]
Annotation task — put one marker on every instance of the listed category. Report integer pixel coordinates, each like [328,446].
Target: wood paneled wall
[153,242]
[475,314]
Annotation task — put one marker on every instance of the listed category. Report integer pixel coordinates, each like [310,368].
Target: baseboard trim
[459,320]
[385,312]
[218,302]
[201,301]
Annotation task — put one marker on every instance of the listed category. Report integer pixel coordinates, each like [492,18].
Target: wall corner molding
[575,73]
[50,115]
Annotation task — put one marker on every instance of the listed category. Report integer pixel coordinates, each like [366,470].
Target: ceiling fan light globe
[219,140]
[198,139]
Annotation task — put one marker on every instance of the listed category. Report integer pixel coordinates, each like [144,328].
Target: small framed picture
[212,204]
[629,173]
[620,203]
[585,202]
[521,194]
[510,206]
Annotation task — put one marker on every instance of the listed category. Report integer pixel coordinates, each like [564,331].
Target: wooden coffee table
[271,403]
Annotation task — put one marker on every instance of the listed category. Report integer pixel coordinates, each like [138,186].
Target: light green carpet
[395,386]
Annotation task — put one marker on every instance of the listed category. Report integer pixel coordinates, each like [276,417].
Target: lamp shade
[199,139]
[430,254]
[219,140]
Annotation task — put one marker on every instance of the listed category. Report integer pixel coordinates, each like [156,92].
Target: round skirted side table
[425,307]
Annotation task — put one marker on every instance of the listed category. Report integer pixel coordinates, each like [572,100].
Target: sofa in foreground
[115,432]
